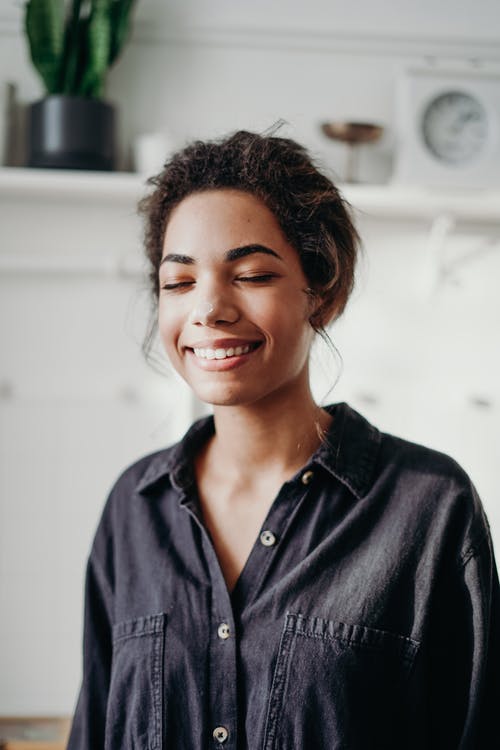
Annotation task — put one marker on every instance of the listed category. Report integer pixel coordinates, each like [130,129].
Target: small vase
[71,132]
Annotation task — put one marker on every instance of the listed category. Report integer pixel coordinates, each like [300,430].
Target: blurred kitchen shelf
[394,201]
[389,201]
[21,182]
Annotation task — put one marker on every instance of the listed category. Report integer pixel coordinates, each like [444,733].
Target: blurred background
[420,337]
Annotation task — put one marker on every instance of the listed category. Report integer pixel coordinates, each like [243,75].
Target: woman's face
[233,311]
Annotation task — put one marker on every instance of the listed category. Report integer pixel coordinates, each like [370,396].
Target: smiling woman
[237,304]
[286,576]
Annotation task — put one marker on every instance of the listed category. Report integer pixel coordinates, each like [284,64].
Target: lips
[222,351]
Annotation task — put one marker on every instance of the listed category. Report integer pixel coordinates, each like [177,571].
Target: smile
[221,353]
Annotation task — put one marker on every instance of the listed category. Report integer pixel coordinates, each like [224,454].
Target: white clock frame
[415,164]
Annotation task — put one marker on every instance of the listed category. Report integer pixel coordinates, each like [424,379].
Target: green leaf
[44,25]
[72,41]
[79,58]
[73,56]
[120,26]
[98,49]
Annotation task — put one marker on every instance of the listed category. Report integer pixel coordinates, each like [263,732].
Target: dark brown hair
[312,214]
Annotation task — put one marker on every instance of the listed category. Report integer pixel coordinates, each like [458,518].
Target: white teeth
[222,353]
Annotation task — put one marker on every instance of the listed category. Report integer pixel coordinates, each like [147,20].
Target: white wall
[77,402]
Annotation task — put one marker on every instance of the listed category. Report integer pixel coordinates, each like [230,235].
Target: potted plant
[72,46]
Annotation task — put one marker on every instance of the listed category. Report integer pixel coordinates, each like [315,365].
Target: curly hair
[311,212]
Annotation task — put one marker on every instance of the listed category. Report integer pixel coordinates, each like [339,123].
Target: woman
[287,576]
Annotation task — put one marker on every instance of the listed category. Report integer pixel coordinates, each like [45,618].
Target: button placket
[267,538]
[223,631]
[220,734]
[307,477]
[223,678]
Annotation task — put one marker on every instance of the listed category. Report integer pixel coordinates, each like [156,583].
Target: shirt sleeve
[465,654]
[482,716]
[87,731]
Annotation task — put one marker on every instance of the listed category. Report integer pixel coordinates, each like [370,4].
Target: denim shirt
[366,616]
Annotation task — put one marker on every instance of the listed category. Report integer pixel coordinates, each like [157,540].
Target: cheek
[169,328]
[284,318]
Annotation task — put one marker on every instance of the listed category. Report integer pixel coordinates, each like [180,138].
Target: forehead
[218,219]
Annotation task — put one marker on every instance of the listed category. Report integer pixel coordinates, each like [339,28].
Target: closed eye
[177,285]
[260,279]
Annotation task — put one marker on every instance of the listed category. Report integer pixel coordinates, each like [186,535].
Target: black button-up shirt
[366,616]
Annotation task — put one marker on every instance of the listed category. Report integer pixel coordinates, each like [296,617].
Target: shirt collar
[176,462]
[349,452]
[350,449]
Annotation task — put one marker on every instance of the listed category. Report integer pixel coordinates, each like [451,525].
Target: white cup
[151,151]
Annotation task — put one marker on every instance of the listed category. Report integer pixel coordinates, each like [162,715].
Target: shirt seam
[474,549]
[103,582]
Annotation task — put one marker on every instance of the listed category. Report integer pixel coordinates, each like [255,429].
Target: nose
[201,313]
[213,307]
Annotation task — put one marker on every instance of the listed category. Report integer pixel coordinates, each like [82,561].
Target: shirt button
[220,734]
[223,631]
[267,538]
[306,477]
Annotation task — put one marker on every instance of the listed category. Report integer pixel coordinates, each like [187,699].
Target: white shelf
[21,182]
[405,202]
[390,201]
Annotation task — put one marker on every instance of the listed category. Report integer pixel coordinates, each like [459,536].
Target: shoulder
[421,467]
[435,486]
[414,487]
[363,452]
[142,482]
[123,501]
[419,462]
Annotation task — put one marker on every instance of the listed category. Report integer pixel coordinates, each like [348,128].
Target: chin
[228,396]
[220,399]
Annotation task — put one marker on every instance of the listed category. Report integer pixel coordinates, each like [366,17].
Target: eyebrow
[231,255]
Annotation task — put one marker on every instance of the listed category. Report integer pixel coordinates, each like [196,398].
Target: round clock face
[455,127]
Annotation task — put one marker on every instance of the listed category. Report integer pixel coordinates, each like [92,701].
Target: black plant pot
[71,132]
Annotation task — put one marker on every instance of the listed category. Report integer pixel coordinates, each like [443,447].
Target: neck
[276,435]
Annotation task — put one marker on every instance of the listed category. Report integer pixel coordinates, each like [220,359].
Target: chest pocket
[337,686]
[135,701]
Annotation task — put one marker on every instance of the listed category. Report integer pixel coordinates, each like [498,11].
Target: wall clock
[448,129]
